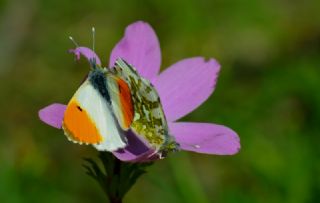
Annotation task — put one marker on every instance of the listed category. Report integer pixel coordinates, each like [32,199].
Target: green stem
[115,197]
[115,177]
[115,200]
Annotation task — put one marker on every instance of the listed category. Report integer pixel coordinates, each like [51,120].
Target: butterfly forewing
[120,100]
[89,117]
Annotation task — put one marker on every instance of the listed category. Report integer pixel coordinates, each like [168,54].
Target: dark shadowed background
[268,92]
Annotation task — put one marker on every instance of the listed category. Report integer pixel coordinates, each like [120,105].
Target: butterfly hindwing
[149,119]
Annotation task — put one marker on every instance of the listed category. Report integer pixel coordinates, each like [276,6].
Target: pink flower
[182,88]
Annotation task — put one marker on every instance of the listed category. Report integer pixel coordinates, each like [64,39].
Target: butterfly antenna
[93,37]
[74,42]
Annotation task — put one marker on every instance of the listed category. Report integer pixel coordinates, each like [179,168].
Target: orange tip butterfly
[112,101]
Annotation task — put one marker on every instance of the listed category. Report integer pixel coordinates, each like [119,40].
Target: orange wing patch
[126,102]
[78,125]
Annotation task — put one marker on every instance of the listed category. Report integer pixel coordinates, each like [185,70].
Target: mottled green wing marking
[149,120]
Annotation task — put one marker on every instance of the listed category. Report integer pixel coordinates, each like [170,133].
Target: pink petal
[87,53]
[185,85]
[205,138]
[136,151]
[53,114]
[140,48]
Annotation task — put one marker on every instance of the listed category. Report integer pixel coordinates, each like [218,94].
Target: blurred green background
[268,92]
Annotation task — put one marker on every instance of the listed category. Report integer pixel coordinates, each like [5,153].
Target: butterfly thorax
[98,79]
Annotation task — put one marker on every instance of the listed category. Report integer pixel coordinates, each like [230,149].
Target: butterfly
[110,103]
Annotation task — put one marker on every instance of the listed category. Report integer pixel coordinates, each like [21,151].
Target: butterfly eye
[80,109]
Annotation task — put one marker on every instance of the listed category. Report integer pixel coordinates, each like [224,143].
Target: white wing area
[98,110]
